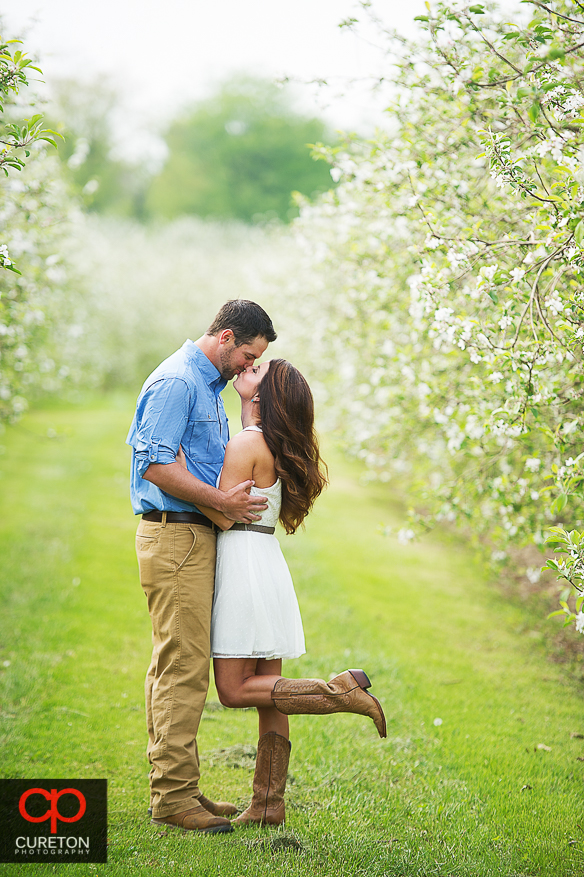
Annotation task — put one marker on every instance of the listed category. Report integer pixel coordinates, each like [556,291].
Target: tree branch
[553,12]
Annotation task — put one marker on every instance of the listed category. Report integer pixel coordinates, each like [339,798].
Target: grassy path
[470,795]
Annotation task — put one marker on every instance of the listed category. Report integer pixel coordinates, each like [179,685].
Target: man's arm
[236,504]
[238,470]
[163,412]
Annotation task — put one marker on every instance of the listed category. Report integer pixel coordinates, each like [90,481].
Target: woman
[256,621]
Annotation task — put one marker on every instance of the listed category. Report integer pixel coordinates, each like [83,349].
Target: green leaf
[57,134]
[579,233]
[533,111]
[559,504]
[554,54]
[478,10]
[551,564]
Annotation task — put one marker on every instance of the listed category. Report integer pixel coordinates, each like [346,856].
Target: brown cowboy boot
[196,819]
[269,782]
[344,694]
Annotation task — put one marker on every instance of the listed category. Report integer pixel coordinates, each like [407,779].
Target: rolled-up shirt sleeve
[161,421]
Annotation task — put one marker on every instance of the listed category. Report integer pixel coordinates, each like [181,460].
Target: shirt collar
[211,375]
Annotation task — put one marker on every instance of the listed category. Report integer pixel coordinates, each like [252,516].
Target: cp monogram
[53,811]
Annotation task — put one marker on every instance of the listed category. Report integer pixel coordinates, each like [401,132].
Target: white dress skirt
[255,610]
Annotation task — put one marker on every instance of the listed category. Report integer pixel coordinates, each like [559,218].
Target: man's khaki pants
[177,572]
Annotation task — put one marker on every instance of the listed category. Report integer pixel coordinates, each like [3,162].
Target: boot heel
[361,678]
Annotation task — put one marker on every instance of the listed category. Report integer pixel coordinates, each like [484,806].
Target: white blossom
[517,274]
[554,303]
[532,464]
[487,272]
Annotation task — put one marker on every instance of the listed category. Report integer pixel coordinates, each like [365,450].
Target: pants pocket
[147,544]
[181,544]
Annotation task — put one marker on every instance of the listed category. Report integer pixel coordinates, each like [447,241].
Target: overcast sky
[162,54]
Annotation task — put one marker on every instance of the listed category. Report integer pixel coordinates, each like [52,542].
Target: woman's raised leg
[346,693]
[245,682]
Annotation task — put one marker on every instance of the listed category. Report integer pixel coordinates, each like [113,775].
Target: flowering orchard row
[37,311]
[449,272]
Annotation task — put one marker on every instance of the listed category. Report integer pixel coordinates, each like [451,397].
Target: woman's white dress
[255,610]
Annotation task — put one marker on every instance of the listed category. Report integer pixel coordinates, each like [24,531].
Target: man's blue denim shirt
[179,405]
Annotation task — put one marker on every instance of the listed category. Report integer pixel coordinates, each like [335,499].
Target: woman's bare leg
[239,684]
[244,682]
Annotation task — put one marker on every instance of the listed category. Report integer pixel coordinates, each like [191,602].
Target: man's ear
[226,336]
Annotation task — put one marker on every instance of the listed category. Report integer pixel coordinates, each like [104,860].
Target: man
[180,406]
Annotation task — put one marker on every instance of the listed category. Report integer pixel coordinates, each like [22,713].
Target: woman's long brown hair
[287,421]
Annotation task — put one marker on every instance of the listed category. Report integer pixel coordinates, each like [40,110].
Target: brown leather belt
[179,518]
[255,528]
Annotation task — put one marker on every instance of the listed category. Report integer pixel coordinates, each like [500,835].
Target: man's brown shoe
[217,808]
[196,819]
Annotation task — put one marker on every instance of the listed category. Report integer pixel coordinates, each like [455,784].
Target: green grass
[471,796]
